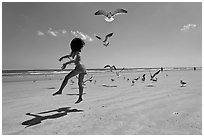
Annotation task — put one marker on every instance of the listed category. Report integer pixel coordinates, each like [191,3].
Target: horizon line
[103,68]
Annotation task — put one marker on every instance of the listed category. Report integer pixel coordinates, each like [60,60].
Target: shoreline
[49,76]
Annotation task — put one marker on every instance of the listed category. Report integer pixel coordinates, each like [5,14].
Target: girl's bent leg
[64,83]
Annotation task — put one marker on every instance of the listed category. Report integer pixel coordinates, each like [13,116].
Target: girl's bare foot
[57,93]
[79,100]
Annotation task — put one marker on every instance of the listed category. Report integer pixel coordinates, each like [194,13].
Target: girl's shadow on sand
[37,120]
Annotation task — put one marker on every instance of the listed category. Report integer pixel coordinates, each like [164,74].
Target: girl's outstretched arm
[66,56]
[65,64]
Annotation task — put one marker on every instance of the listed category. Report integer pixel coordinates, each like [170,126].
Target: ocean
[34,75]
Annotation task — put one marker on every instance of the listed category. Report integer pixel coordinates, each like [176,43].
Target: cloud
[188,27]
[40,33]
[63,31]
[82,35]
[52,33]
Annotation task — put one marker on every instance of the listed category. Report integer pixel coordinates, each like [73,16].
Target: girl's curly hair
[77,44]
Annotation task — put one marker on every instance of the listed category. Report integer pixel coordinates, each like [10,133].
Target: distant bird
[118,72]
[105,42]
[72,82]
[112,79]
[109,15]
[107,36]
[133,82]
[143,77]
[152,76]
[111,67]
[183,83]
[137,78]
[89,79]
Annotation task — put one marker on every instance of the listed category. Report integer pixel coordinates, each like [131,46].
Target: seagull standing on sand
[137,78]
[109,15]
[183,83]
[133,82]
[112,79]
[143,77]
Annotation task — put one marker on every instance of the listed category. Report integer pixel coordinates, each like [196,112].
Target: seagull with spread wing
[111,67]
[108,36]
[152,76]
[105,42]
[109,15]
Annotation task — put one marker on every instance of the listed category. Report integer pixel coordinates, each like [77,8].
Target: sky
[151,34]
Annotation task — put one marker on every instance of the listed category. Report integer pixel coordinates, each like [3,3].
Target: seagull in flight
[152,76]
[105,42]
[109,15]
[111,67]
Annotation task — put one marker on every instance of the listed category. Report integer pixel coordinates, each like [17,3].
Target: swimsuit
[80,68]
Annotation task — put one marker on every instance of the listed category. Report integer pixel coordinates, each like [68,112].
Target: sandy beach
[108,107]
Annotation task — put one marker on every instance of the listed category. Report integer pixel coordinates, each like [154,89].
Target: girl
[75,57]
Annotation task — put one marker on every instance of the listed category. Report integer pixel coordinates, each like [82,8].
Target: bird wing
[101,12]
[88,79]
[107,36]
[106,66]
[110,34]
[114,67]
[155,74]
[119,11]
[98,37]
